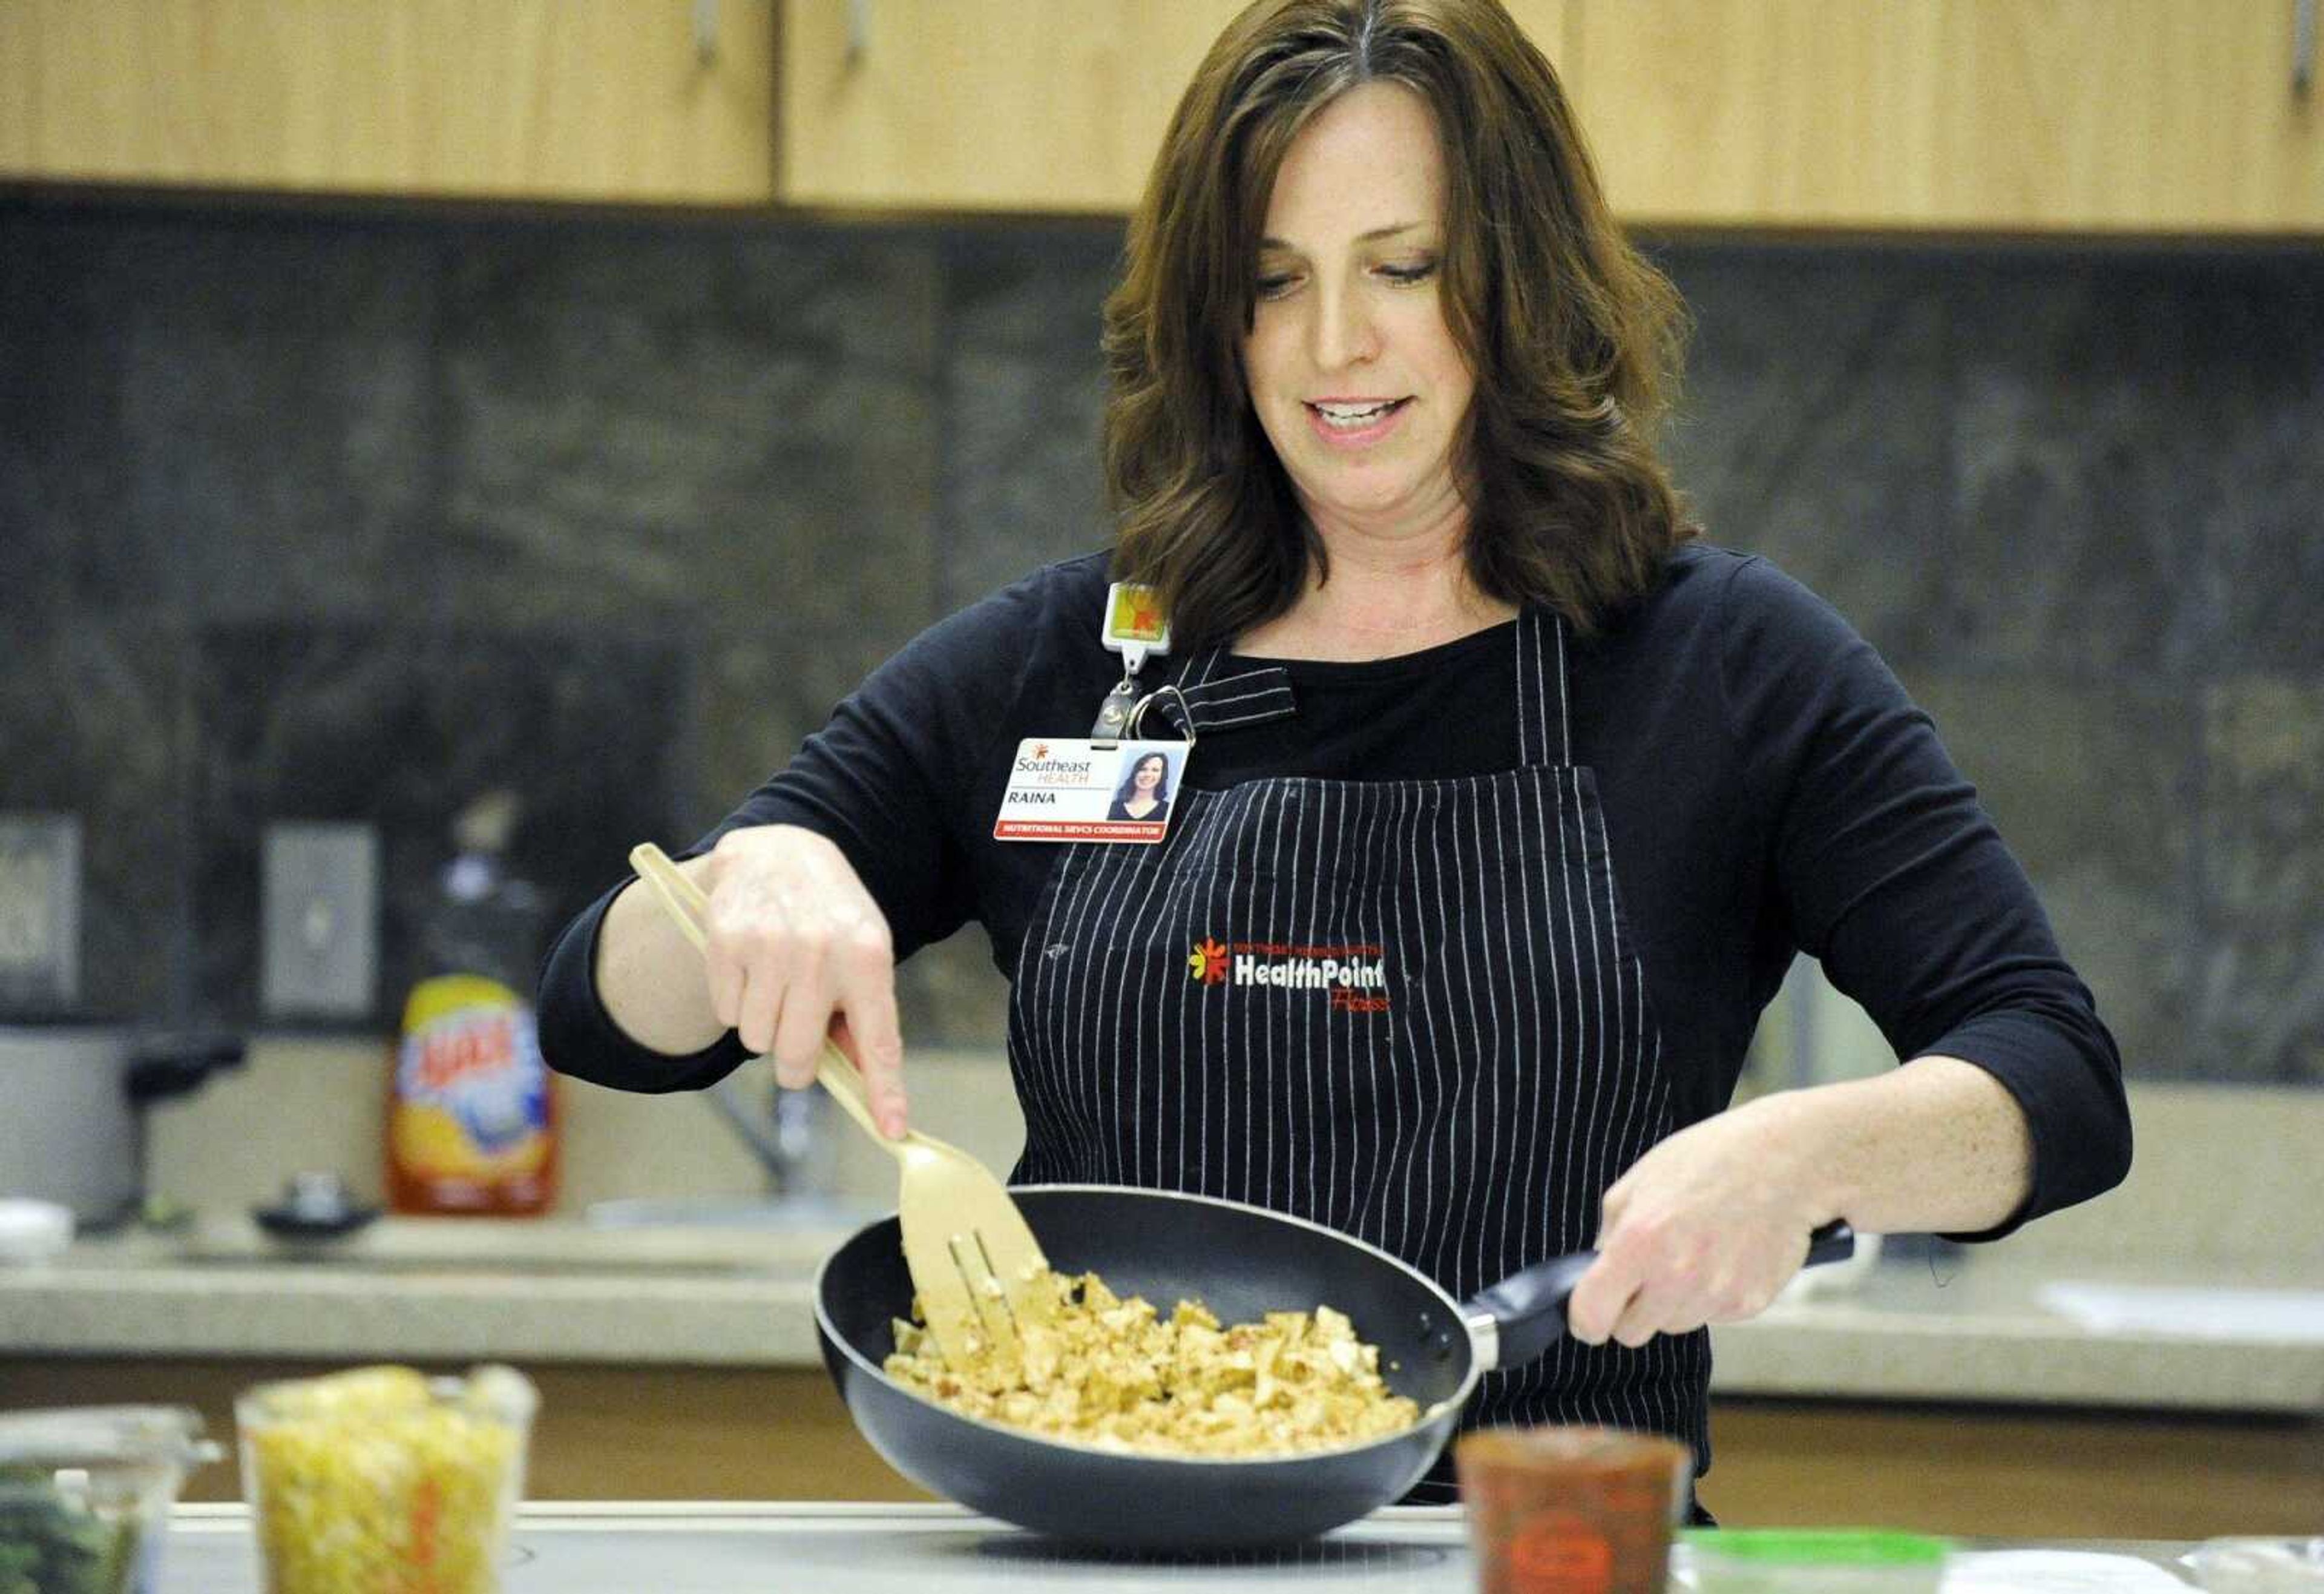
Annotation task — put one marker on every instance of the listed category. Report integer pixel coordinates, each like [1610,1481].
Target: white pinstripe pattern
[1251,698]
[1212,689]
[1472,1126]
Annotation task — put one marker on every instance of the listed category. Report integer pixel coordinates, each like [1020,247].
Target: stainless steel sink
[539,1247]
[322,1258]
[832,1215]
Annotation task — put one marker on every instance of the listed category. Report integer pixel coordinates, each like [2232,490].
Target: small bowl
[2258,1565]
[382,1477]
[85,1493]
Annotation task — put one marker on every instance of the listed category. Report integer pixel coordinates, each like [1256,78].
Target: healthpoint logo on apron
[1354,978]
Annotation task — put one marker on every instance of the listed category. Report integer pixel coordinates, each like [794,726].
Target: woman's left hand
[1706,1227]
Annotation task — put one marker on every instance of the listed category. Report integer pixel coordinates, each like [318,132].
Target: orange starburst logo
[1207,962]
[1040,749]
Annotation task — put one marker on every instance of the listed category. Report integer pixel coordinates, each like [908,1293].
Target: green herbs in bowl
[85,1492]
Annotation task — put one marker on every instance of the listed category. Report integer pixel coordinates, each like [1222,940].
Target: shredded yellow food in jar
[373,1482]
[1097,1369]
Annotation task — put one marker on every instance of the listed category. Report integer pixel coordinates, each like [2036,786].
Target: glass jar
[382,1479]
[85,1493]
[1572,1507]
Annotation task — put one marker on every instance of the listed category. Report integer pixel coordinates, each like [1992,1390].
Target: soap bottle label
[471,1125]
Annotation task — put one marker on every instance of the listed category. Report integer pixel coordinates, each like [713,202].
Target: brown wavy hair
[1573,339]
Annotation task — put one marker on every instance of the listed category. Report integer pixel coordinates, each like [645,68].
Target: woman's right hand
[797,950]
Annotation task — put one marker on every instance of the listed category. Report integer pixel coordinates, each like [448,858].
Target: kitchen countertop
[1976,1324]
[551,1289]
[1923,1324]
[694,1548]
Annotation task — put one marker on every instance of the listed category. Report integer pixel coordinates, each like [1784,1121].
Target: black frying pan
[1242,1261]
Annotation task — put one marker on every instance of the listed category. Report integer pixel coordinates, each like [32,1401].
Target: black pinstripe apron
[1409,1010]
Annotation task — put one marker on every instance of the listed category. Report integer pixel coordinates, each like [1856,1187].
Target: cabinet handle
[2303,47]
[706,32]
[859,30]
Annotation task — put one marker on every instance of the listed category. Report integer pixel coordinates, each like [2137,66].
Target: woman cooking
[1468,705]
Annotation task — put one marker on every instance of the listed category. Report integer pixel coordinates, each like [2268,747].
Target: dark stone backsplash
[352,516]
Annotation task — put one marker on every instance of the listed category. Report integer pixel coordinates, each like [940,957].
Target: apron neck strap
[1205,701]
[1545,724]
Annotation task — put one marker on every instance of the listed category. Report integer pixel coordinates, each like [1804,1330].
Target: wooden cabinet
[2013,115]
[1998,116]
[997,104]
[603,1432]
[742,1433]
[1983,116]
[2013,1472]
[631,100]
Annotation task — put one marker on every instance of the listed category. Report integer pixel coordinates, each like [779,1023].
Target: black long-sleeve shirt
[1767,787]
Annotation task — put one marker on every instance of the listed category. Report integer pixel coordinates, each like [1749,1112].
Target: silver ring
[1137,713]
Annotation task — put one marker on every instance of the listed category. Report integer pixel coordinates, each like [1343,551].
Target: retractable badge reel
[1134,628]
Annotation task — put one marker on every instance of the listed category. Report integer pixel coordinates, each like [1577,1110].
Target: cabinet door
[996,105]
[611,100]
[2004,115]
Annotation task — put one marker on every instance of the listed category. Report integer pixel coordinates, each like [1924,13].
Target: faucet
[788,1132]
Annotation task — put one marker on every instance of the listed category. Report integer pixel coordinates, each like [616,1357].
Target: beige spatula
[971,1256]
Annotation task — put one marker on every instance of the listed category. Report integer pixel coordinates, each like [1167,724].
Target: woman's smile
[1355,423]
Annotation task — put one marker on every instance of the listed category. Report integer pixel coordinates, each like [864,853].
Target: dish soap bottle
[471,1108]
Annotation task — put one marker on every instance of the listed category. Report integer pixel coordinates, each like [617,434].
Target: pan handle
[1521,1317]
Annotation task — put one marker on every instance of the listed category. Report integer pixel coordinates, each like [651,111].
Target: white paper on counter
[2016,1571]
[2055,1572]
[2274,1316]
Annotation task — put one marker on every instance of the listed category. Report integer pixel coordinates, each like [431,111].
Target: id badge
[1074,789]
